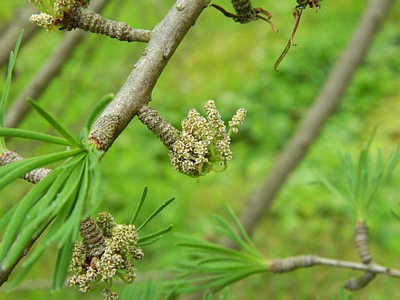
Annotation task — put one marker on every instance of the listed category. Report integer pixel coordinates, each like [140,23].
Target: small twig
[297,12]
[306,261]
[88,20]
[246,13]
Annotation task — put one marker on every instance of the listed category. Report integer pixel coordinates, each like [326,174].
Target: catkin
[92,238]
[34,176]
[361,239]
[88,20]
[158,125]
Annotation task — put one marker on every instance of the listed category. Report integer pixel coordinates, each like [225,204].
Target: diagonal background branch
[13,29]
[325,105]
[19,109]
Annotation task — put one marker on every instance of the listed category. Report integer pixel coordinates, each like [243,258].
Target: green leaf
[65,210]
[155,213]
[32,135]
[208,295]
[362,180]
[96,184]
[153,237]
[4,98]
[55,123]
[21,211]
[139,205]
[212,266]
[69,232]
[44,211]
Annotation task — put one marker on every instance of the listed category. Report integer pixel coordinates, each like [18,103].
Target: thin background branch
[325,105]
[13,28]
[49,70]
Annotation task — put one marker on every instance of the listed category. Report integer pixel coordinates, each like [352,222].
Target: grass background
[233,64]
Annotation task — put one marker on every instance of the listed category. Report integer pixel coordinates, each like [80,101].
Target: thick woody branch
[137,89]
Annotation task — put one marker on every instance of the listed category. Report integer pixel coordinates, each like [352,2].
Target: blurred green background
[232,64]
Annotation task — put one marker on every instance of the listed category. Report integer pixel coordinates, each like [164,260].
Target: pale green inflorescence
[109,295]
[204,144]
[53,11]
[115,261]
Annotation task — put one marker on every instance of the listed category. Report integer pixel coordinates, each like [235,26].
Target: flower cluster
[107,250]
[204,143]
[52,11]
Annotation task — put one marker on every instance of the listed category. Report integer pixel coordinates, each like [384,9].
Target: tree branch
[138,87]
[317,116]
